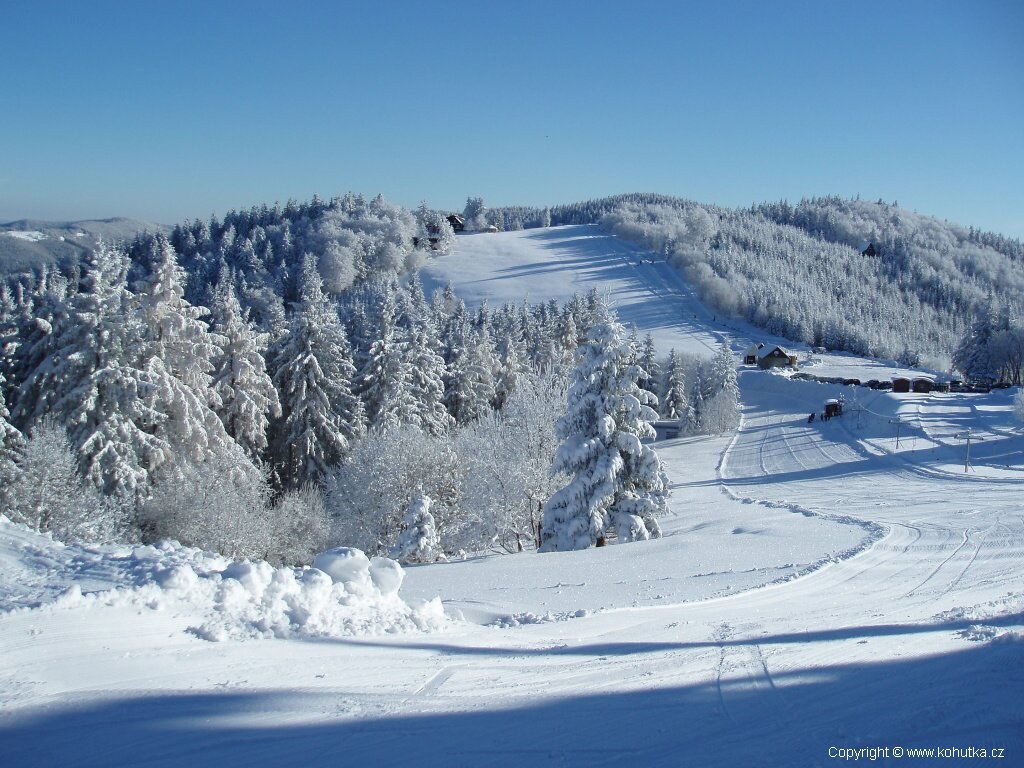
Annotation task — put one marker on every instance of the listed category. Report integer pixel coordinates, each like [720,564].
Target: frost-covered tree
[49,495]
[648,360]
[219,504]
[300,526]
[973,356]
[385,382]
[246,392]
[434,230]
[504,462]
[313,372]
[470,391]
[512,368]
[426,384]
[418,542]
[721,411]
[993,349]
[1018,404]
[676,404]
[11,441]
[173,329]
[368,494]
[475,214]
[618,483]
[177,353]
[91,381]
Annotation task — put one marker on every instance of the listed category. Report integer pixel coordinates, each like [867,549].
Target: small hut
[919,384]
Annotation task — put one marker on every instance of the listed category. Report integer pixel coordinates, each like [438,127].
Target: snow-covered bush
[368,494]
[299,526]
[49,495]
[219,505]
[505,465]
[418,542]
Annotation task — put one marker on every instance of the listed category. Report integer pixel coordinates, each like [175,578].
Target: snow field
[816,589]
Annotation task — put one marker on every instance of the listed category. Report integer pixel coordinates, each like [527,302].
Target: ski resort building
[775,357]
[920,384]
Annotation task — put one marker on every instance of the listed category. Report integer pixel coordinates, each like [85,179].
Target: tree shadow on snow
[743,716]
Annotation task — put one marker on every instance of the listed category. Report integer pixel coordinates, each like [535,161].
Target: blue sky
[166,111]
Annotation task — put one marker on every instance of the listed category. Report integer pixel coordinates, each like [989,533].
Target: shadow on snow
[743,716]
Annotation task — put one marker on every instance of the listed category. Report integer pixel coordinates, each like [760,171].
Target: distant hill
[28,244]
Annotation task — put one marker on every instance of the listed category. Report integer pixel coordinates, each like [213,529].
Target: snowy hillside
[543,264]
[821,595]
[27,245]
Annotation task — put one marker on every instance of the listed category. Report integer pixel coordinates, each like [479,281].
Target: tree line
[238,395]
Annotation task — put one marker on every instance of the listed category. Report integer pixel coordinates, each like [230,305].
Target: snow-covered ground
[31,235]
[821,595]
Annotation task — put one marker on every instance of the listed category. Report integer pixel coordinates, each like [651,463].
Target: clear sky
[168,111]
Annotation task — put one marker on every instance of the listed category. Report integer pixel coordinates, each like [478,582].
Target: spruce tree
[427,371]
[246,392]
[313,372]
[618,483]
[675,404]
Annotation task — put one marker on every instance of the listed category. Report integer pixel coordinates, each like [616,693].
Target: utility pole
[968,437]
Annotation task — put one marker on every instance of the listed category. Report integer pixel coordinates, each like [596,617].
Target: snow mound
[345,594]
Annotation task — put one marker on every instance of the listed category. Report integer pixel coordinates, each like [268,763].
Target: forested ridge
[276,381]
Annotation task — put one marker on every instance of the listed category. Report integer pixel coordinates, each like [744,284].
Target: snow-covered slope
[29,244]
[542,264]
[820,595]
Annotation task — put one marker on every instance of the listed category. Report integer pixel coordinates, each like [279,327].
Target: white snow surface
[821,596]
[31,235]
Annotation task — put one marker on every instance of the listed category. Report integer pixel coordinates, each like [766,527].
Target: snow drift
[344,594]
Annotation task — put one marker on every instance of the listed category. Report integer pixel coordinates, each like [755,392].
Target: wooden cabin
[775,357]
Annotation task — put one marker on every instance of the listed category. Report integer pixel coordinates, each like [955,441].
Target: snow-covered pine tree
[246,391]
[11,440]
[28,348]
[90,381]
[675,404]
[470,392]
[513,367]
[427,372]
[177,354]
[617,481]
[418,542]
[174,330]
[973,356]
[721,411]
[313,372]
[648,361]
[385,382]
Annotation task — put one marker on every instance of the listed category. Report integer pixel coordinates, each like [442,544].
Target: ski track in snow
[816,589]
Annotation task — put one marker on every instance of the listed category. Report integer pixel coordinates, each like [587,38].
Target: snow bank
[345,594]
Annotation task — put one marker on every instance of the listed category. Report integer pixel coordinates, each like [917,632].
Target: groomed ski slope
[821,594]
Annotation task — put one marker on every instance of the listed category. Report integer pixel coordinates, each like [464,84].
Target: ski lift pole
[968,437]
[897,421]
